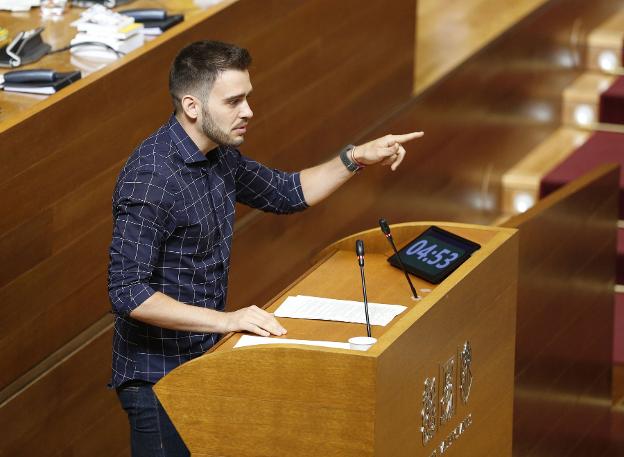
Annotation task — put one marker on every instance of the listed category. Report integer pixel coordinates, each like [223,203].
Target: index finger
[404,138]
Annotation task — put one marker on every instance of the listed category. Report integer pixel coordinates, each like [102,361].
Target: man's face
[227,112]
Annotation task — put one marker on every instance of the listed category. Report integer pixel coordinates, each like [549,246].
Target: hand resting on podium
[163,311]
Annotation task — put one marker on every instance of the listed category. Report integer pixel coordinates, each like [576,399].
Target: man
[173,210]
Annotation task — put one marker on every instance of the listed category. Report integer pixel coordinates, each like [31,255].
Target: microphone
[385,228]
[359,251]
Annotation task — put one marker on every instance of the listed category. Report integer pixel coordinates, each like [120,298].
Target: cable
[89,43]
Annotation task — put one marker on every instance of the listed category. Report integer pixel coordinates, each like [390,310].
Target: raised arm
[322,180]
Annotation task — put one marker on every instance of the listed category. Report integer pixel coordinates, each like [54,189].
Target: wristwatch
[346,157]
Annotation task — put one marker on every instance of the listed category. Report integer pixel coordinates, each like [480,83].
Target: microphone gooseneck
[359,251]
[385,228]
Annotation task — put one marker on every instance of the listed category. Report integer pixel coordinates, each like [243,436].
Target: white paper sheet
[248,340]
[329,309]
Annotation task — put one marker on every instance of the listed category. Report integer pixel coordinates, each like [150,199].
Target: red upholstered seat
[611,109]
[620,258]
[600,148]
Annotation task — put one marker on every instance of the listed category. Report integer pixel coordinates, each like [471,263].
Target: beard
[216,134]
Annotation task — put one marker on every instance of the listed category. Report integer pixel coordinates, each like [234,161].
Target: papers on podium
[248,340]
[329,309]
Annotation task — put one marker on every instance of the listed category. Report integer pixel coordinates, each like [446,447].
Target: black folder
[158,27]
[45,88]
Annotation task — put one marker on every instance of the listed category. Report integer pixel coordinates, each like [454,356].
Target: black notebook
[44,88]
[158,27]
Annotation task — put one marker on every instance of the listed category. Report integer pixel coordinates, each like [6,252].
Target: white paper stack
[329,309]
[18,5]
[248,340]
[101,25]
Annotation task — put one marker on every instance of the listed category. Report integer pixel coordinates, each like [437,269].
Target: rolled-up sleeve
[268,189]
[142,219]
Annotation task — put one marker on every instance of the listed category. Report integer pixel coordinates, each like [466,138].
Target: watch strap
[346,159]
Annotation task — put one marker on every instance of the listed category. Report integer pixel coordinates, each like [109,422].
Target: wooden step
[604,45]
[448,32]
[581,99]
[520,185]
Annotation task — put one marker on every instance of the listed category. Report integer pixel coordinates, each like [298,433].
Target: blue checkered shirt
[173,218]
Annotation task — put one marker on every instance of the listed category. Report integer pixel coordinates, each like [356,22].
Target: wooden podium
[439,381]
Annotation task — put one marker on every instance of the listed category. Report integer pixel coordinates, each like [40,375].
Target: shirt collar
[188,149]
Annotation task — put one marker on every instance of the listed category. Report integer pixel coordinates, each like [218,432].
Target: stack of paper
[247,340]
[18,5]
[329,309]
[100,31]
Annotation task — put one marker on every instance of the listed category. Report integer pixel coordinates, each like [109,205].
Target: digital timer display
[435,254]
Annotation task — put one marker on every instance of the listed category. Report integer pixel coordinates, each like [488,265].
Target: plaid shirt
[173,214]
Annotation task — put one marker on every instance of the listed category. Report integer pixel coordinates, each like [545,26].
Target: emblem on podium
[429,411]
[465,373]
[447,394]
[440,404]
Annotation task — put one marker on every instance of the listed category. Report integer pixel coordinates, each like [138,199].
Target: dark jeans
[151,432]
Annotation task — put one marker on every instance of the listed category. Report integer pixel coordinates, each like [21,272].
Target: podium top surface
[337,276]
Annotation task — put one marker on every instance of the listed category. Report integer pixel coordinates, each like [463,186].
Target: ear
[191,106]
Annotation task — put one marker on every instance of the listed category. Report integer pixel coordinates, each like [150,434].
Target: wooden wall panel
[450,32]
[565,315]
[55,301]
[69,411]
[55,322]
[58,225]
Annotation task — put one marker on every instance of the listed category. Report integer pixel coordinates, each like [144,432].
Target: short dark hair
[196,67]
